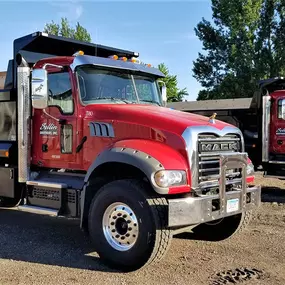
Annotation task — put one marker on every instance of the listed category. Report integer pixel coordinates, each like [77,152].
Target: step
[38,210]
[46,184]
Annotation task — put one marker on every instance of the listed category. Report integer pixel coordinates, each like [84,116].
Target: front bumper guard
[196,210]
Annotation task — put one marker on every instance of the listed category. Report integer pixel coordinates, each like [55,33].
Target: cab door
[55,128]
[277,125]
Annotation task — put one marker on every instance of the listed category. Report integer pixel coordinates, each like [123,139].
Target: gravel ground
[43,250]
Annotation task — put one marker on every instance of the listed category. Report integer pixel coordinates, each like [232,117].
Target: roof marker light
[135,60]
[123,58]
[80,52]
[115,57]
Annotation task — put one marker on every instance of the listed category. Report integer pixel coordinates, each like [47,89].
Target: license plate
[232,205]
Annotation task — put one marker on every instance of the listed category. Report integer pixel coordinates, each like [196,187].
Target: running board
[46,184]
[38,210]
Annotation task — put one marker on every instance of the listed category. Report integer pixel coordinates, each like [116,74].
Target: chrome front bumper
[196,210]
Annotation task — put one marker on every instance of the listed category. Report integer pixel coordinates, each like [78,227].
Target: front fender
[148,156]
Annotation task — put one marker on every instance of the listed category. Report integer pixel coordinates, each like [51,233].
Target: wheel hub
[120,226]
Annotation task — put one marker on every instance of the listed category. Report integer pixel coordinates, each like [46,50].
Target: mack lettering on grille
[219,146]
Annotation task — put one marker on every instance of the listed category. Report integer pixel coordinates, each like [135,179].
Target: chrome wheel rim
[120,226]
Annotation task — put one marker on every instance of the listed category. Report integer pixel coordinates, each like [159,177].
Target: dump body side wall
[2,79]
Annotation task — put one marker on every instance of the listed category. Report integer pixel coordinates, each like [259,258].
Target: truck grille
[210,147]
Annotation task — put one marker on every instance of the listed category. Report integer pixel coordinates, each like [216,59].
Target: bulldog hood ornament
[212,118]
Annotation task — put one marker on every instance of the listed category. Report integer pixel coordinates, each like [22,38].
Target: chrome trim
[52,65]
[120,226]
[265,127]
[47,184]
[276,162]
[197,210]
[111,63]
[38,210]
[190,136]
[217,140]
[24,131]
[215,183]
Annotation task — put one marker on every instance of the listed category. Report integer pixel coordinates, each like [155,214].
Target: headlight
[250,169]
[168,178]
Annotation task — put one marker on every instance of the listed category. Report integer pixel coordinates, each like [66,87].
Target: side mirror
[164,95]
[39,89]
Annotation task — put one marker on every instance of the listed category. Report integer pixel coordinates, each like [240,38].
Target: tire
[139,224]
[9,202]
[223,229]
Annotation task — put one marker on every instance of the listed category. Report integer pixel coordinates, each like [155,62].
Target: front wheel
[128,226]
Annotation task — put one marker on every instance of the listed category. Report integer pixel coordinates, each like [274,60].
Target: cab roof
[118,64]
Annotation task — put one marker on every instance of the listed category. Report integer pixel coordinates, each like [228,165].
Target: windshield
[112,86]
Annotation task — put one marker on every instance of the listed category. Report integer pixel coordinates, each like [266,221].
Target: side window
[60,92]
[281,103]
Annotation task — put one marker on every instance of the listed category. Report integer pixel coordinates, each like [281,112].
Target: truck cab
[87,135]
[86,94]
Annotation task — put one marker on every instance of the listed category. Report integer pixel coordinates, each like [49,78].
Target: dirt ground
[42,250]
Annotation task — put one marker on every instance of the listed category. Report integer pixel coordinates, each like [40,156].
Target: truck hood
[153,116]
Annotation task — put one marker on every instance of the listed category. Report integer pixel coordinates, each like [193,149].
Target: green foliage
[65,30]
[244,44]
[174,94]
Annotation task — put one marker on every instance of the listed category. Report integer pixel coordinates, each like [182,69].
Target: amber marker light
[115,57]
[123,58]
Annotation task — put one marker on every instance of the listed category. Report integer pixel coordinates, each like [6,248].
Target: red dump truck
[85,134]
[260,118]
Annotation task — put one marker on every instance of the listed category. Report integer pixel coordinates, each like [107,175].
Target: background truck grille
[210,147]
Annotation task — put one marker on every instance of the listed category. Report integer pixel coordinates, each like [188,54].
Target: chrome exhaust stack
[24,118]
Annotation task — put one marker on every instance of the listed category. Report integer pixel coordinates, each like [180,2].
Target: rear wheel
[128,226]
[224,228]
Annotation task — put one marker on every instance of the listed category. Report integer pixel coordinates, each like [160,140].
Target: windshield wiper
[150,101]
[113,99]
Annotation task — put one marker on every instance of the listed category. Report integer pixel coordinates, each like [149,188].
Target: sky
[162,31]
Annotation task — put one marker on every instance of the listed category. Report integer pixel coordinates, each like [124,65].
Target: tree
[245,43]
[174,94]
[65,30]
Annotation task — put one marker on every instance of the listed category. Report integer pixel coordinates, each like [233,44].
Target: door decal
[48,130]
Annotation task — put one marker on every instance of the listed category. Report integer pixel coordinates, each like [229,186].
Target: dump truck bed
[214,105]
